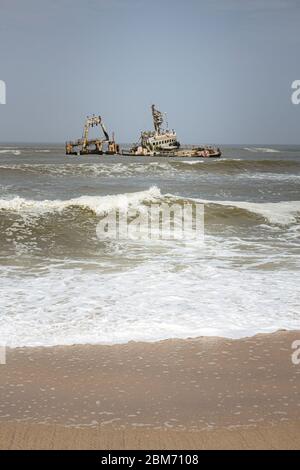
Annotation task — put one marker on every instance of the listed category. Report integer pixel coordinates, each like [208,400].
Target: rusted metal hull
[183,153]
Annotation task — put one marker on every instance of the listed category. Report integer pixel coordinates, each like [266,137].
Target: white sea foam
[261,150]
[150,302]
[191,162]
[98,205]
[10,151]
[283,213]
[93,170]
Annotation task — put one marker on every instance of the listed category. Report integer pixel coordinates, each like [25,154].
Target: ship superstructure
[164,143]
[159,138]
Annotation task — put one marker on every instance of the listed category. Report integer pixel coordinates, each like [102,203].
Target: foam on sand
[207,393]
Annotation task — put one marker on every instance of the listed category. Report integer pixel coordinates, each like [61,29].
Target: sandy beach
[205,393]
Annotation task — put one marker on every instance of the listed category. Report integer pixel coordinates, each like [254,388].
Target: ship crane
[93,122]
[86,146]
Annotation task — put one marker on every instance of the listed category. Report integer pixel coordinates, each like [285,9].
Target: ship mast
[157,119]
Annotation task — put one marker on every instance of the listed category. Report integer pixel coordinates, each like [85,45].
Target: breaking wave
[98,205]
[282,213]
[10,151]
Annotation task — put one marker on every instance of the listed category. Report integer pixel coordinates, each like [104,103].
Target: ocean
[60,284]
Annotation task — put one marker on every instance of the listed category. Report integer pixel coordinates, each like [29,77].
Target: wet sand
[178,394]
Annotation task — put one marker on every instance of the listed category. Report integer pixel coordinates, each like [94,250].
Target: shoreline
[206,392]
[213,338]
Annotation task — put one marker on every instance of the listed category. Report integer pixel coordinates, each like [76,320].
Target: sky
[221,69]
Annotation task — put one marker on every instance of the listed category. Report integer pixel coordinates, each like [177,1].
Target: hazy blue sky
[222,69]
